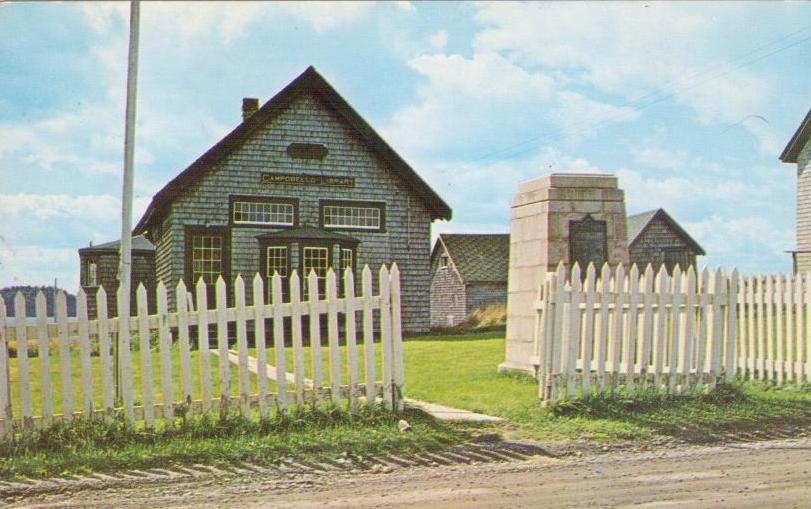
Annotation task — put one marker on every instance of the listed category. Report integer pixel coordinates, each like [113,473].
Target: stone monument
[560,217]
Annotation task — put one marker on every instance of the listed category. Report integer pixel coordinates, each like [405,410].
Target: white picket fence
[775,328]
[674,333]
[381,321]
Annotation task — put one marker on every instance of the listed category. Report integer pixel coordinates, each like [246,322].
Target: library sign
[307,180]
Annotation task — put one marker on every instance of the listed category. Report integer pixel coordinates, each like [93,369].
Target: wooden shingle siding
[307,120]
[804,208]
[484,295]
[143,271]
[650,245]
[448,299]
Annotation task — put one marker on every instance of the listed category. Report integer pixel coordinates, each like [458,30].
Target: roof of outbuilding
[309,233]
[308,81]
[479,258]
[798,141]
[638,222]
[139,243]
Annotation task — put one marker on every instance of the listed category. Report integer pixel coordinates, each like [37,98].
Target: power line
[663,94]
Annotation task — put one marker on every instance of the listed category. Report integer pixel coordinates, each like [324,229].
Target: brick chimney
[250,105]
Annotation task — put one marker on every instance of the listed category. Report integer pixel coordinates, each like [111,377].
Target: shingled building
[655,238]
[304,183]
[469,271]
[98,267]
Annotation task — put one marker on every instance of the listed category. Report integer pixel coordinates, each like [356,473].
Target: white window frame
[91,276]
[260,204]
[347,212]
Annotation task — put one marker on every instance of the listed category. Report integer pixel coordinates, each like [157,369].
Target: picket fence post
[368,337]
[351,337]
[298,347]
[144,336]
[5,385]
[259,341]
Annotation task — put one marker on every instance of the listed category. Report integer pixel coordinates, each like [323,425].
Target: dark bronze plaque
[588,242]
[307,151]
[308,180]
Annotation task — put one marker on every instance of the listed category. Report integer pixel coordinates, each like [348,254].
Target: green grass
[78,390]
[460,371]
[306,433]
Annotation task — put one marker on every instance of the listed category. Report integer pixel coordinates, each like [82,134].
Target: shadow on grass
[731,412]
[495,333]
[304,433]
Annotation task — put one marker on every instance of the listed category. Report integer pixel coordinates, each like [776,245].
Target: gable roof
[638,222]
[798,141]
[308,81]
[479,258]
[139,243]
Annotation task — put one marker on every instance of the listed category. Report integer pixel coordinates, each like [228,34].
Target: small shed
[656,238]
[99,268]
[468,272]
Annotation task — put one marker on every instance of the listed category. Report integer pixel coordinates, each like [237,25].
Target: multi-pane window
[206,258]
[316,259]
[277,261]
[91,277]
[347,259]
[352,216]
[269,213]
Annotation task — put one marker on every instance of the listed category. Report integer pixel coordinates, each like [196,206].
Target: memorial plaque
[588,243]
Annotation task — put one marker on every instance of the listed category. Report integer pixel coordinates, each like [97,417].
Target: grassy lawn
[76,379]
[460,371]
[307,434]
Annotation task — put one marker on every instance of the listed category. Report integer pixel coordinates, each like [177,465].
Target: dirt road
[761,474]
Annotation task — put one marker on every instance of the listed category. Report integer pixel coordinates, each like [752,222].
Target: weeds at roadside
[306,432]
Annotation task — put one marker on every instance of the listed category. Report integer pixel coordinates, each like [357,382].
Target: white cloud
[62,206]
[439,40]
[748,242]
[405,5]
[190,21]
[39,265]
[580,116]
[485,76]
[462,98]
[642,51]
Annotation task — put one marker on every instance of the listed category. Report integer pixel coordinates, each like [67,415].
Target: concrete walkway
[444,413]
[440,412]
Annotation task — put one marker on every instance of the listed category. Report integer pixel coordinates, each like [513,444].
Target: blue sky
[689,104]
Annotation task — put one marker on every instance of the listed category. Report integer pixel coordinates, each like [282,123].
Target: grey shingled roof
[798,141]
[637,222]
[636,225]
[479,258]
[308,81]
[139,243]
[307,232]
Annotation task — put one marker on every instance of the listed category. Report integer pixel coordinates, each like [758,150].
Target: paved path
[440,412]
[444,413]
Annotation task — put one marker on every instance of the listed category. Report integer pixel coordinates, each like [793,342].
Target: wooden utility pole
[125,255]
